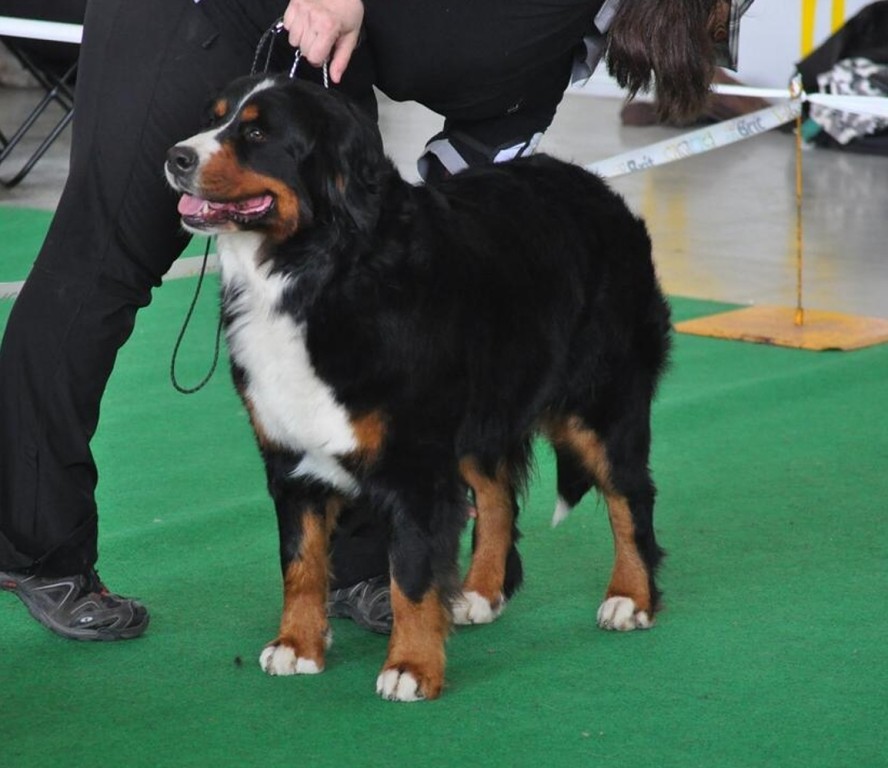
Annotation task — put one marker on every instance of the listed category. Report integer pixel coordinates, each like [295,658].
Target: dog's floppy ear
[349,164]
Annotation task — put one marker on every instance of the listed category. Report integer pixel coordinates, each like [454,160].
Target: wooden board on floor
[820,331]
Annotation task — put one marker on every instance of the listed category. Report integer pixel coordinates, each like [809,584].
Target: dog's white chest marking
[290,403]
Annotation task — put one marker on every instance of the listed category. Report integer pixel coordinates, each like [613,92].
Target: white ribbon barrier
[34,29]
[863,105]
[698,142]
[731,131]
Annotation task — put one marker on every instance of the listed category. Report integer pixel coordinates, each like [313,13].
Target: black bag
[863,36]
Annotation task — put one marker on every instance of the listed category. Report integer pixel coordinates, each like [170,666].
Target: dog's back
[505,292]
[561,326]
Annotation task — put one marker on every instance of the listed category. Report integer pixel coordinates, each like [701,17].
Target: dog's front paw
[281,658]
[394,685]
[409,683]
[474,608]
[622,614]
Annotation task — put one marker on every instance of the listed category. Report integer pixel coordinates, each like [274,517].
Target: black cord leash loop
[265,42]
[203,382]
[268,38]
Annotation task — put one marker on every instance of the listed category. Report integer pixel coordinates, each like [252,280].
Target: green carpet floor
[771,650]
[21,235]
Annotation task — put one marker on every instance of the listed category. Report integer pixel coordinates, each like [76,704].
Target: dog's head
[279,156]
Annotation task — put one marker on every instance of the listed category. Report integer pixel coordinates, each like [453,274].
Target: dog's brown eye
[254,134]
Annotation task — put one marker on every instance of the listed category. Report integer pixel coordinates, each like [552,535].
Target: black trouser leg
[146,72]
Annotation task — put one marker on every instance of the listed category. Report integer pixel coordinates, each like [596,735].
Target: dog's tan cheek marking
[493,531]
[288,209]
[630,576]
[417,641]
[306,580]
[224,178]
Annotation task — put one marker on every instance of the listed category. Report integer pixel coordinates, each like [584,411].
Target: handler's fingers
[342,55]
[289,16]
[317,43]
[324,28]
[295,22]
[313,27]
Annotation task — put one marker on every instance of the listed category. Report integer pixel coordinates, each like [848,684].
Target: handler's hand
[325,29]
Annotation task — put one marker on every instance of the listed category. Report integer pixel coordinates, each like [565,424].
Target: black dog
[399,343]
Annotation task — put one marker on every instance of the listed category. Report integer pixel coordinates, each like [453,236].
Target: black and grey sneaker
[367,603]
[78,607]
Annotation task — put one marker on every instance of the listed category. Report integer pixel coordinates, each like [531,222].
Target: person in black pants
[493,70]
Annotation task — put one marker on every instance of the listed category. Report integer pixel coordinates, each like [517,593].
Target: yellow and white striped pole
[838,14]
[809,22]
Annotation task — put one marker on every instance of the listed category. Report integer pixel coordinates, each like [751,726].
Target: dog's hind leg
[306,518]
[495,572]
[617,466]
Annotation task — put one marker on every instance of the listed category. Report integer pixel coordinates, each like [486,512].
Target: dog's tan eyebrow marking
[249,113]
[220,108]
[235,111]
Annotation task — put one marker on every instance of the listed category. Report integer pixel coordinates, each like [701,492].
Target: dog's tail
[574,482]
[562,511]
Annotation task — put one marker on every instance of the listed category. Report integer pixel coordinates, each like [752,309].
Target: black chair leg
[57,90]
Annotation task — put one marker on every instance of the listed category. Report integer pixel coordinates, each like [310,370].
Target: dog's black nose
[181,159]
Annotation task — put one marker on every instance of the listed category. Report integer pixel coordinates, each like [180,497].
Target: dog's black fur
[450,324]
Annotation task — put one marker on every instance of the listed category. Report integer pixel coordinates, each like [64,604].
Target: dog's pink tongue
[190,205]
[254,204]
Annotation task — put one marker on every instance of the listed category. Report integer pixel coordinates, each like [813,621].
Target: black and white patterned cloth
[850,77]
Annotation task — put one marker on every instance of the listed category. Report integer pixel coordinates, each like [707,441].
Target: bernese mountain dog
[402,344]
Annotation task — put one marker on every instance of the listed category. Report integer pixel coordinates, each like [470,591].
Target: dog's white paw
[398,686]
[282,660]
[473,608]
[620,613]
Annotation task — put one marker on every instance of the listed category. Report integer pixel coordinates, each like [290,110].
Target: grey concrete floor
[723,224]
